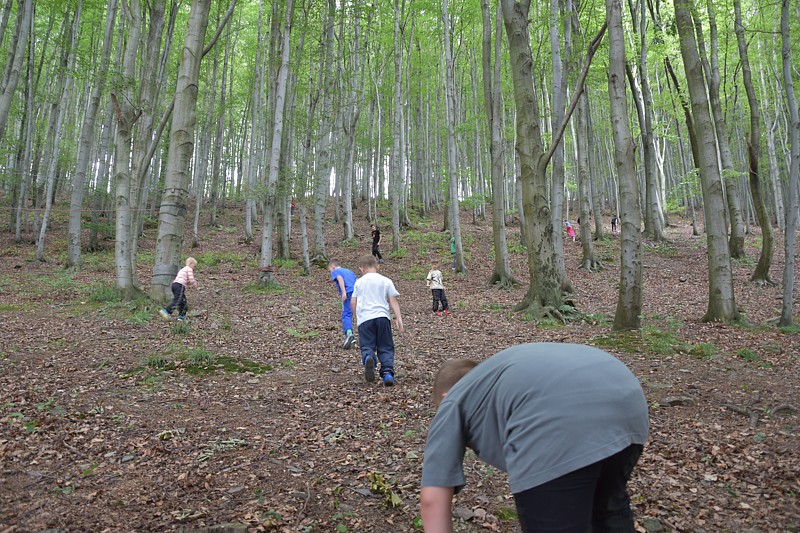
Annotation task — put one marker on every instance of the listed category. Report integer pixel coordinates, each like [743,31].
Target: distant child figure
[435,283]
[570,230]
[453,250]
[344,279]
[373,294]
[185,278]
[376,243]
[614,224]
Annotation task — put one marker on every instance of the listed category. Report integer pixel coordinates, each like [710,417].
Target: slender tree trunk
[736,239]
[265,264]
[589,262]
[19,44]
[787,309]
[172,213]
[455,223]
[761,272]
[721,301]
[492,95]
[629,300]
[85,145]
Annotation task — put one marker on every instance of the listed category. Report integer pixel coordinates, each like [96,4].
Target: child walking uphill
[184,279]
[344,279]
[373,294]
[435,283]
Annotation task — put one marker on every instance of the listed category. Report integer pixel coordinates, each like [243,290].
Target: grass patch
[98,261]
[290,264]
[793,329]
[749,262]
[104,293]
[648,339]
[400,253]
[180,327]
[301,332]
[60,282]
[664,249]
[704,350]
[427,237]
[263,288]
[751,356]
[195,361]
[517,249]
[211,259]
[416,272]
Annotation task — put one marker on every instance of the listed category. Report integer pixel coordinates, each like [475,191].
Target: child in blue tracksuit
[344,279]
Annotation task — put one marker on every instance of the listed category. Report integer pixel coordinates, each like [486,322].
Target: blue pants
[347,314]
[375,337]
[593,498]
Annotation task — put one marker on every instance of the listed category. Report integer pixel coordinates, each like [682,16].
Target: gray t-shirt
[537,411]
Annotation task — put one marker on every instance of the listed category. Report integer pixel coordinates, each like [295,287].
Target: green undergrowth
[660,336]
[195,361]
[212,259]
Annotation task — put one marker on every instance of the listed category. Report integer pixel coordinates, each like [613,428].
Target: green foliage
[400,253]
[199,357]
[60,282]
[104,293]
[212,259]
[180,327]
[517,249]
[100,261]
[301,332]
[285,263]
[157,361]
[507,513]
[664,249]
[704,350]
[263,288]
[415,273]
[751,356]
[792,329]
[379,485]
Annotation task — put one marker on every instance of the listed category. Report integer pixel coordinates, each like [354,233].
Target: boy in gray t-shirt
[567,422]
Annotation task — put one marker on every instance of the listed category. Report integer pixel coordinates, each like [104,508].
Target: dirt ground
[254,417]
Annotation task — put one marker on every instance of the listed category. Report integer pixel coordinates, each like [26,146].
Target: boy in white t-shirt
[436,285]
[373,294]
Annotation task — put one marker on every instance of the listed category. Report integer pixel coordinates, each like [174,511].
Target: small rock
[363,491]
[235,490]
[253,381]
[295,309]
[672,401]
[463,513]
[127,458]
[653,525]
[343,507]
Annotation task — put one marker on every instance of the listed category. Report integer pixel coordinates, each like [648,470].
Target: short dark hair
[449,374]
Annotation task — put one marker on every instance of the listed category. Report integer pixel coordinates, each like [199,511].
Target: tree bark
[721,300]
[761,272]
[172,213]
[19,44]
[794,171]
[629,300]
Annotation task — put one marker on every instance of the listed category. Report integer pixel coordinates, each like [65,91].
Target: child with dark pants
[567,422]
[184,279]
[436,285]
[373,295]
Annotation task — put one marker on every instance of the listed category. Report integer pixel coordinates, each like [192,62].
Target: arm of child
[340,281]
[436,503]
[393,301]
[353,307]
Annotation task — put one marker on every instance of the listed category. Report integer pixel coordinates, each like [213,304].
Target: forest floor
[252,414]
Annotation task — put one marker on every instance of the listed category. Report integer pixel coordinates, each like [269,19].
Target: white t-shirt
[372,292]
[435,278]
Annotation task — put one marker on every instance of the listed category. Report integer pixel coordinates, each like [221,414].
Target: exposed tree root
[503,282]
[592,265]
[763,282]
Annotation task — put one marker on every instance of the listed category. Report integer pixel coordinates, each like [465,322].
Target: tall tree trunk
[629,300]
[265,264]
[761,272]
[452,176]
[492,95]
[397,175]
[172,213]
[19,44]
[787,309]
[58,111]
[589,262]
[721,301]
[85,145]
[736,239]
[253,164]
[544,293]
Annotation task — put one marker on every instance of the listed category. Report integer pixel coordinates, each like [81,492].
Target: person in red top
[185,278]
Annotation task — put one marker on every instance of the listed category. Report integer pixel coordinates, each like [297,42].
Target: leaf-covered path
[112,420]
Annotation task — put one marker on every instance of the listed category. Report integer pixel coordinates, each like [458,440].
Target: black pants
[439,296]
[178,299]
[376,251]
[591,499]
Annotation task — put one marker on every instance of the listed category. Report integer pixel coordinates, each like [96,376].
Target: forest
[263,138]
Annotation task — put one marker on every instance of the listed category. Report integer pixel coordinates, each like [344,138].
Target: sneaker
[349,341]
[446,311]
[388,380]
[369,369]
[380,261]
[164,314]
[438,313]
[183,318]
